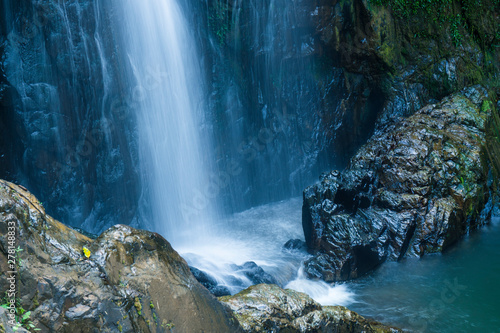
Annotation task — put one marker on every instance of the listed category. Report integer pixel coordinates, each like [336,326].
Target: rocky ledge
[268,308]
[414,189]
[126,280]
[129,280]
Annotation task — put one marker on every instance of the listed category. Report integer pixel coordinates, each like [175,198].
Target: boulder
[254,273]
[415,188]
[126,280]
[268,308]
[295,245]
[209,282]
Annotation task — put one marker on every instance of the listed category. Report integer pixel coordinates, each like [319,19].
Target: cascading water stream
[175,158]
[168,94]
[65,75]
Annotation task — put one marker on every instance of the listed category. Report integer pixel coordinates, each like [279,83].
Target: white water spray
[163,56]
[174,149]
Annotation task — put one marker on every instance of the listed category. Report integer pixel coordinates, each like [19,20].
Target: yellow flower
[86,252]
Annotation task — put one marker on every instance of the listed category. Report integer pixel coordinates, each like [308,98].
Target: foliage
[454,15]
[218,20]
[406,8]
[23,317]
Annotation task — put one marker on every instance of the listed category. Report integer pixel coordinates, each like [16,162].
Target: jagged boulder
[268,308]
[129,280]
[413,189]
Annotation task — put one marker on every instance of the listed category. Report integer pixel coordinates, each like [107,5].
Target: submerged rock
[209,282]
[268,308]
[295,245]
[126,280]
[255,273]
[414,189]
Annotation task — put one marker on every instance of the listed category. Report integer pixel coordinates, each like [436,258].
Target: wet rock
[295,244]
[412,59]
[129,280]
[414,189]
[209,282]
[268,308]
[52,123]
[255,273]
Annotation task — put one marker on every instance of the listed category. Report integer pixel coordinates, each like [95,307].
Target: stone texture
[67,128]
[268,308]
[133,280]
[413,189]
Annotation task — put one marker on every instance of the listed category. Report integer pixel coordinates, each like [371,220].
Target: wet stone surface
[414,189]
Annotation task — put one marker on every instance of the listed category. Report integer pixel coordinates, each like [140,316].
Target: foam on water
[175,159]
[258,235]
[322,292]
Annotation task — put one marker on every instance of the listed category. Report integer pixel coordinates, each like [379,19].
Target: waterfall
[268,92]
[175,149]
[110,122]
[168,97]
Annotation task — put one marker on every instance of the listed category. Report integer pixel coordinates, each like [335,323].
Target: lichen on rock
[268,308]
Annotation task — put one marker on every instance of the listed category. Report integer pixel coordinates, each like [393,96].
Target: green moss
[451,17]
[487,106]
[35,300]
[167,325]
[219,20]
[138,305]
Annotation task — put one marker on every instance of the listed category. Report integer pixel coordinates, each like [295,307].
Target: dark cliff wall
[417,52]
[288,110]
[64,133]
[302,84]
[294,88]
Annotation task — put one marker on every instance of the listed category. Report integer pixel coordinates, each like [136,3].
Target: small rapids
[259,235]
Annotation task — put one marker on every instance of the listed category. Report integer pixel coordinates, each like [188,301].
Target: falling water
[169,101]
[175,155]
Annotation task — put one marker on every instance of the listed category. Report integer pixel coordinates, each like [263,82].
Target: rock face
[268,308]
[414,51]
[70,141]
[304,84]
[132,280]
[298,84]
[414,189]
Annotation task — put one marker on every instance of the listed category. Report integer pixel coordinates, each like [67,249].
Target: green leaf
[26,315]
